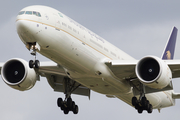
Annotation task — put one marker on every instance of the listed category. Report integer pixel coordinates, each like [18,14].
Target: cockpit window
[36,13]
[39,15]
[28,12]
[21,12]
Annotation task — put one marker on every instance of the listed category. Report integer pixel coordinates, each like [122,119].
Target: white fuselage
[80,52]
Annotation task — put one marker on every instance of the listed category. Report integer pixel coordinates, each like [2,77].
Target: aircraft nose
[21,26]
[25,31]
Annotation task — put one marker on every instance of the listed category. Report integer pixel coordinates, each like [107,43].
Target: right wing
[125,70]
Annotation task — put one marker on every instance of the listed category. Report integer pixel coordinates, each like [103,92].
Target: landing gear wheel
[144,101]
[66,111]
[134,101]
[76,110]
[67,105]
[142,104]
[37,63]
[60,102]
[140,110]
[150,109]
[69,102]
[31,63]
[62,107]
[73,105]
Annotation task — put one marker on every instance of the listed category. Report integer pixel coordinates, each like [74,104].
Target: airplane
[82,61]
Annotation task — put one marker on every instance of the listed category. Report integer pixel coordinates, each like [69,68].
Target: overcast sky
[138,27]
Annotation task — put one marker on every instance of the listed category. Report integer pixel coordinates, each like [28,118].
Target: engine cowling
[17,74]
[153,72]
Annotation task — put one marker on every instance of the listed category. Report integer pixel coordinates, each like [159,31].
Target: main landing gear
[34,63]
[142,103]
[68,104]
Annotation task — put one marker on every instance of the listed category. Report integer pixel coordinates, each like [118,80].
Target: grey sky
[138,27]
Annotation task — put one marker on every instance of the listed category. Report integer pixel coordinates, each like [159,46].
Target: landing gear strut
[34,63]
[142,103]
[68,104]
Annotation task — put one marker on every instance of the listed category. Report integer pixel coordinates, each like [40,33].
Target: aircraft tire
[31,64]
[76,110]
[37,63]
[150,109]
[66,111]
[140,110]
[134,101]
[60,102]
[73,105]
[69,102]
[144,101]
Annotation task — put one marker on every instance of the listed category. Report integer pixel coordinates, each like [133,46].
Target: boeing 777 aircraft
[83,61]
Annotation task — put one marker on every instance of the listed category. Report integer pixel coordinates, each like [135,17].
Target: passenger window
[29,12]
[21,12]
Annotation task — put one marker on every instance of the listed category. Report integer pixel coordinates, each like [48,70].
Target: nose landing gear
[34,63]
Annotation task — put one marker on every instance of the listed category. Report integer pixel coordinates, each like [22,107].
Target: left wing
[54,73]
[57,78]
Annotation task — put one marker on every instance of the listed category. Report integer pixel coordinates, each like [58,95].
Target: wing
[58,79]
[125,70]
[174,65]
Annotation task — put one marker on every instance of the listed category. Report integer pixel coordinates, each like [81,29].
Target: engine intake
[153,72]
[16,73]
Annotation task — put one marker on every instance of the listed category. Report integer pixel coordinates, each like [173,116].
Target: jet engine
[17,74]
[153,72]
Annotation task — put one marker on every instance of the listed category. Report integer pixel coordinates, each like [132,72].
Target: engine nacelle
[153,72]
[17,74]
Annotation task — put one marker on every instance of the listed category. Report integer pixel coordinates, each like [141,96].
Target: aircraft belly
[158,100]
